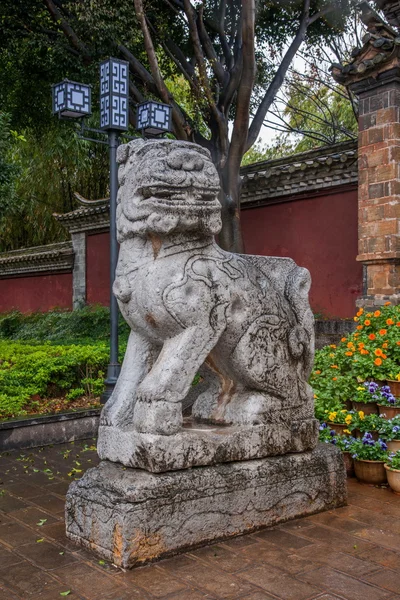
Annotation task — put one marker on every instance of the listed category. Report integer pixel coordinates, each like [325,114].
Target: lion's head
[166,186]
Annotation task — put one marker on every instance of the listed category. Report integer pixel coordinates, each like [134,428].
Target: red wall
[36,293]
[98,268]
[318,233]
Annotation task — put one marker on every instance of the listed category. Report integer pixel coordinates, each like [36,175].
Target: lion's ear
[122,153]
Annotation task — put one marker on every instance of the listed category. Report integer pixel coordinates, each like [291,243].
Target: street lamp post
[114,118]
[72,100]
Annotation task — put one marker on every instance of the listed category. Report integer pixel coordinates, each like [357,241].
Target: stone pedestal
[130,517]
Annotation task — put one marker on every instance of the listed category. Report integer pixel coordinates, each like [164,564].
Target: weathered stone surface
[199,445]
[244,322]
[130,517]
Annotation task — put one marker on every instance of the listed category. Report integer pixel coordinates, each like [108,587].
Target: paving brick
[223,558]
[14,534]
[378,536]
[388,580]
[33,515]
[281,584]
[46,555]
[23,490]
[283,539]
[342,584]
[211,580]
[257,596]
[346,563]
[7,558]
[51,503]
[341,523]
[89,581]
[26,580]
[9,504]
[382,556]
[154,580]
[278,557]
[7,594]
[341,541]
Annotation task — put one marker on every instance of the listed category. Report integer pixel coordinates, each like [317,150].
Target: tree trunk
[230,237]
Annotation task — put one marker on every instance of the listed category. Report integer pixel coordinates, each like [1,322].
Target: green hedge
[86,325]
[48,371]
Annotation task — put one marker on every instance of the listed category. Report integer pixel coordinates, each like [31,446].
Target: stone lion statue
[242,322]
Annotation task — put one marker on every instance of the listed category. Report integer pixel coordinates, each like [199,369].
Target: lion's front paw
[157,417]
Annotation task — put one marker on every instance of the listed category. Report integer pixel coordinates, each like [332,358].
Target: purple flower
[332,432]
[323,426]
[395,429]
[382,445]
[368,440]
[385,389]
[372,386]
[334,441]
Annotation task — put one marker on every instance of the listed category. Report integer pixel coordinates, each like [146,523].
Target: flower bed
[359,372]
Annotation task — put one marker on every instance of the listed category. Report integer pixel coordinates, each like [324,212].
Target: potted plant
[373,424]
[340,421]
[344,443]
[391,432]
[388,405]
[365,398]
[369,459]
[393,471]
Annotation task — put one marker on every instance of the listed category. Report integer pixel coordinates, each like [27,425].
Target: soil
[44,406]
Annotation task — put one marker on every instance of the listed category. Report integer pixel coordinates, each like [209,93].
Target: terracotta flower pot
[389,412]
[393,445]
[338,427]
[348,404]
[393,477]
[368,408]
[348,463]
[394,387]
[370,471]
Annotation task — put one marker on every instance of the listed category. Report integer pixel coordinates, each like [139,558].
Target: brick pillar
[379,188]
[79,272]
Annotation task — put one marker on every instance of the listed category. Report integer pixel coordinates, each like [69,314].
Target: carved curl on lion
[243,322]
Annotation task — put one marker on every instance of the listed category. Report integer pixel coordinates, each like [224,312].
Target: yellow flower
[355,319]
[348,419]
[360,312]
[332,355]
[315,396]
[361,389]
[332,346]
[332,416]
[344,411]
[346,431]
[361,414]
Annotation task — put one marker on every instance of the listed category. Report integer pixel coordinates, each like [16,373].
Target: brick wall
[379,191]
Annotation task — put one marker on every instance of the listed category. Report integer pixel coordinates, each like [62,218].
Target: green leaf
[41,522]
[67,593]
[40,540]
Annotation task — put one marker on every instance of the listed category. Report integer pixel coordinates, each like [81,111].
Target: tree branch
[279,76]
[241,122]
[69,33]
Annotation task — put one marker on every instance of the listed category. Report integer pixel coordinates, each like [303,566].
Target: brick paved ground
[352,553]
